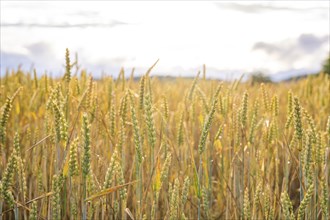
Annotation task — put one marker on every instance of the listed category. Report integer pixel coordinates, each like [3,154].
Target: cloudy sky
[229,37]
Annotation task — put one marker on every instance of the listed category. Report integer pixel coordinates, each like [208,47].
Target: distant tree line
[259,77]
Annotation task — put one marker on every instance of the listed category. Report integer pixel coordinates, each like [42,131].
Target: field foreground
[78,148]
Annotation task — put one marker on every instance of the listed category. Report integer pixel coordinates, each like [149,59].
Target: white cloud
[184,35]
[304,50]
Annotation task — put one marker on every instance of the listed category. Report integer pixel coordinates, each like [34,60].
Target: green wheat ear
[165,108]
[20,167]
[86,163]
[150,122]
[243,109]
[180,131]
[305,202]
[205,198]
[67,75]
[247,208]
[8,180]
[123,108]
[111,171]
[88,99]
[185,190]
[297,119]
[165,168]
[112,120]
[4,119]
[253,121]
[121,180]
[174,201]
[208,122]
[275,106]
[56,199]
[325,198]
[73,159]
[136,130]
[34,211]
[310,123]
[289,120]
[290,102]
[60,123]
[287,206]
[265,97]
[141,95]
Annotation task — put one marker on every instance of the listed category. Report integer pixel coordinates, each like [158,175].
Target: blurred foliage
[259,77]
[326,66]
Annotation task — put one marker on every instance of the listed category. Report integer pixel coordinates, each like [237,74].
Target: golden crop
[78,148]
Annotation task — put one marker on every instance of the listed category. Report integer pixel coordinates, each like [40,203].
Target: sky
[229,37]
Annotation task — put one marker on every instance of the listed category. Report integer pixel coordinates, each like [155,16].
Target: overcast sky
[229,37]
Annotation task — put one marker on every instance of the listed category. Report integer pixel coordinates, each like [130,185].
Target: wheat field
[149,148]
